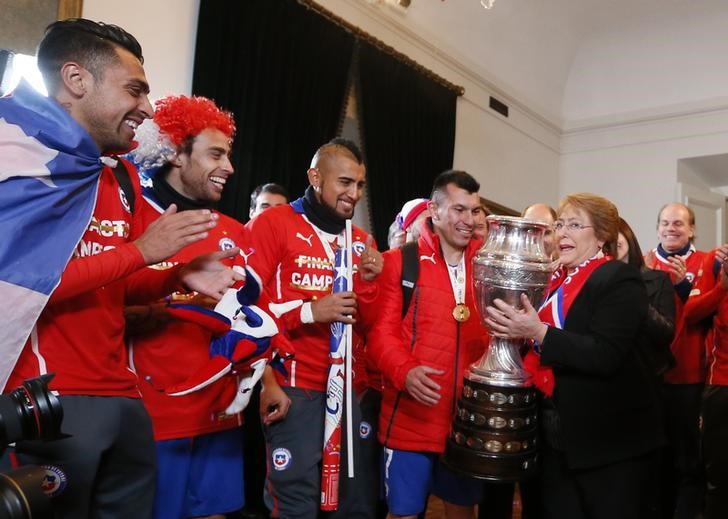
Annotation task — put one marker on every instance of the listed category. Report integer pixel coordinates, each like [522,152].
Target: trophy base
[495,432]
[490,467]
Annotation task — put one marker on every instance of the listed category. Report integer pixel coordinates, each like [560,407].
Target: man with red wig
[185,161]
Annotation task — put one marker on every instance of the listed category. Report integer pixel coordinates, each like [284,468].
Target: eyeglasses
[571,227]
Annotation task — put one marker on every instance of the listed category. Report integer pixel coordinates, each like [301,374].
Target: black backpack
[410,273]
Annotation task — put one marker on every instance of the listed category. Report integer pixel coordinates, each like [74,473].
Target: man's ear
[314,177]
[75,79]
[432,207]
[176,161]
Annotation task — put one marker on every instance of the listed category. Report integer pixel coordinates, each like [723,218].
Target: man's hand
[340,306]
[274,403]
[206,275]
[421,387]
[723,279]
[721,254]
[371,263]
[678,269]
[173,231]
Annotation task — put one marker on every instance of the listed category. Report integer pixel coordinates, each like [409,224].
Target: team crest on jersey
[358,247]
[54,481]
[689,276]
[364,430]
[226,243]
[124,201]
[281,458]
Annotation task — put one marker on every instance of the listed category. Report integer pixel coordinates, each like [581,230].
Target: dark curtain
[282,70]
[408,132]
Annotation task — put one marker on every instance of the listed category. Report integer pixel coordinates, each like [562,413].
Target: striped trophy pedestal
[494,434]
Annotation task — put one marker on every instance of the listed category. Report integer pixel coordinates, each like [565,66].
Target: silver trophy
[494,433]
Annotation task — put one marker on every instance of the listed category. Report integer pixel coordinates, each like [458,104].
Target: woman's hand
[507,322]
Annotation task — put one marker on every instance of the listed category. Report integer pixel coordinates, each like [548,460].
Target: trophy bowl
[494,431]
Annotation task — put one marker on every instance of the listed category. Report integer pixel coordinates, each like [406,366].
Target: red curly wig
[182,118]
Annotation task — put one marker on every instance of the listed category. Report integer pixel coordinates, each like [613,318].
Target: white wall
[641,96]
[166,30]
[664,58]
[636,165]
[513,168]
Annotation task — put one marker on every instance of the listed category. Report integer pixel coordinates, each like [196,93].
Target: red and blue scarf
[562,292]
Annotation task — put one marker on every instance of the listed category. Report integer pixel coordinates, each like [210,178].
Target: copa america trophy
[494,432]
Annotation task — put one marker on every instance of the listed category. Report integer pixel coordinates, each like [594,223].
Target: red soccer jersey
[80,334]
[168,355]
[289,255]
[688,346]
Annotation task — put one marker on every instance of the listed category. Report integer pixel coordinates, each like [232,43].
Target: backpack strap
[122,177]
[410,273]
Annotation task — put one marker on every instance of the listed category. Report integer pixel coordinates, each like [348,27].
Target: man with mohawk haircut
[294,256]
[184,161]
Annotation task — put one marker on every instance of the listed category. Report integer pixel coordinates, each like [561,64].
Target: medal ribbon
[457,280]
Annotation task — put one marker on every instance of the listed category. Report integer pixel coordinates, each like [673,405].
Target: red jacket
[428,335]
[711,304]
[688,346]
[80,333]
[167,356]
[294,267]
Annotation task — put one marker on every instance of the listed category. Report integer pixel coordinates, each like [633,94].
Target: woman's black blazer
[604,398]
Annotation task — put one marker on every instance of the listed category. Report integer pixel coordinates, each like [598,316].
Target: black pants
[498,501]
[293,485]
[715,451]
[109,460]
[254,456]
[370,467]
[619,490]
[682,488]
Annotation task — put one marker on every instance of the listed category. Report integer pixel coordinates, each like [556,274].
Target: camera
[30,412]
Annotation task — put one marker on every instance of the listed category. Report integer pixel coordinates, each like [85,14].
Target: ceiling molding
[647,116]
[669,126]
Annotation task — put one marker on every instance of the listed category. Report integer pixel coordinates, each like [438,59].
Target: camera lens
[30,412]
[22,493]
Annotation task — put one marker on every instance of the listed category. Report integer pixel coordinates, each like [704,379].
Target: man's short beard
[333,212]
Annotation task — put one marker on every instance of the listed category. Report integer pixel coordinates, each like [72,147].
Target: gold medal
[461,313]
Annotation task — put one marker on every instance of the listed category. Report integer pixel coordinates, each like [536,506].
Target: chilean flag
[335,388]
[49,171]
